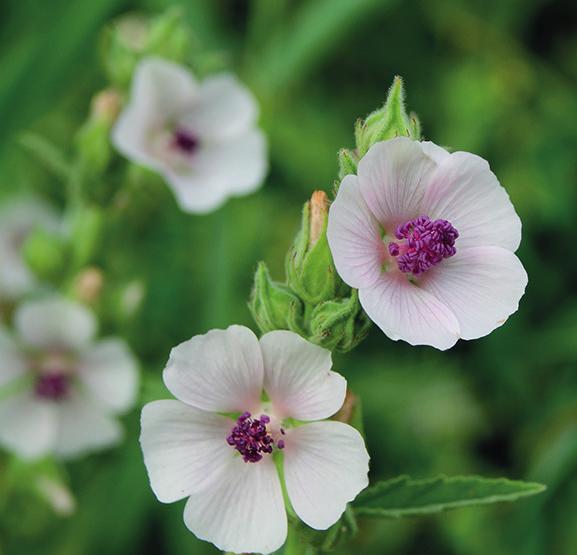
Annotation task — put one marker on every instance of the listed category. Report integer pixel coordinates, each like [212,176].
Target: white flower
[428,238]
[202,137]
[60,390]
[18,217]
[225,466]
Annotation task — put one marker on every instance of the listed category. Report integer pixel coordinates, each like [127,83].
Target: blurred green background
[498,78]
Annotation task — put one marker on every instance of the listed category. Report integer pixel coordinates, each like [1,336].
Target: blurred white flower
[18,217]
[202,137]
[59,389]
[226,466]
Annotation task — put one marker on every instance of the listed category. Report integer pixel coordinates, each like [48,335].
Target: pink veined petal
[110,373]
[298,377]
[325,466]
[393,176]
[225,109]
[184,448]
[481,285]
[220,371]
[354,236]
[433,151]
[28,425]
[464,191]
[84,426]
[55,322]
[245,513]
[408,312]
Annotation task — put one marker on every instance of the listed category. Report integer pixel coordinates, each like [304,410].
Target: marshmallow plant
[61,390]
[249,424]
[200,136]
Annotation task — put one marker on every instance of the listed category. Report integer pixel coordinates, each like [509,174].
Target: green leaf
[47,153]
[405,497]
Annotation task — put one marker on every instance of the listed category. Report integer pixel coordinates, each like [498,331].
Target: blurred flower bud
[388,122]
[339,324]
[45,253]
[85,235]
[131,297]
[134,36]
[93,139]
[273,305]
[309,265]
[57,495]
[88,285]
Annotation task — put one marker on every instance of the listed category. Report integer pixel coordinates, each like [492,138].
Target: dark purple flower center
[251,437]
[184,141]
[53,387]
[423,243]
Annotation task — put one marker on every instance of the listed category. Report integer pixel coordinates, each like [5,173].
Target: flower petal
[466,192]
[55,322]
[325,466]
[405,311]
[481,285]
[221,170]
[27,425]
[185,449]
[84,426]
[433,151]
[245,514]
[354,236]
[298,377]
[225,108]
[12,362]
[110,373]
[392,178]
[220,371]
[161,91]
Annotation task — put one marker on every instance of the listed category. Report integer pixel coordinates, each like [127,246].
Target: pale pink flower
[200,136]
[428,238]
[60,390]
[217,445]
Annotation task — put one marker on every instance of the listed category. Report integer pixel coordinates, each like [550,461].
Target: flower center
[53,387]
[423,243]
[184,141]
[251,437]
[54,373]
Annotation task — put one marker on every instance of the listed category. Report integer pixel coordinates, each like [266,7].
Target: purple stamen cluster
[426,243]
[185,141]
[250,437]
[53,387]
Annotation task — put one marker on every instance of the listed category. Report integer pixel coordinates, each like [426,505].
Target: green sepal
[387,122]
[347,163]
[273,305]
[339,324]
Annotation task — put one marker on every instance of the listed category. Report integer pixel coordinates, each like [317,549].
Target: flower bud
[388,122]
[93,139]
[85,234]
[88,285]
[309,265]
[45,253]
[273,305]
[339,324]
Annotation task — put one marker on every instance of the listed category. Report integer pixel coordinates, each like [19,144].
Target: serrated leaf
[402,496]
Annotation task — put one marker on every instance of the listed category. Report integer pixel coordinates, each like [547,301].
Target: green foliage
[402,497]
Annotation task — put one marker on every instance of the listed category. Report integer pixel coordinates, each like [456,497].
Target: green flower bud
[339,324]
[133,36]
[85,235]
[45,253]
[388,122]
[347,163]
[273,305]
[93,139]
[310,271]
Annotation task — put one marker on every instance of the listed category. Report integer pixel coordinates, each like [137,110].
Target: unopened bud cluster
[313,302]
